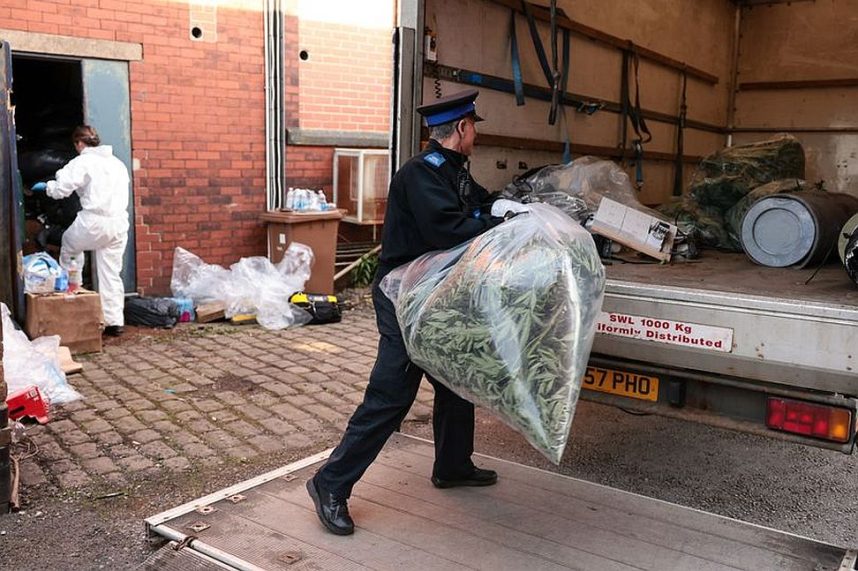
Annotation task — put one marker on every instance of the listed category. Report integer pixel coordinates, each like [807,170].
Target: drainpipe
[274,133]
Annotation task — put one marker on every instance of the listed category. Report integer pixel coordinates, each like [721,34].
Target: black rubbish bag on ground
[151,311]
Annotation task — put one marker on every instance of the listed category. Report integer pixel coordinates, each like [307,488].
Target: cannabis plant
[507,320]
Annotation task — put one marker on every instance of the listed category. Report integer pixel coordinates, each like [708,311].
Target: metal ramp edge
[158,528]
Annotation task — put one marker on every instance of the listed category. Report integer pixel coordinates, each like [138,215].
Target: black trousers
[390,393]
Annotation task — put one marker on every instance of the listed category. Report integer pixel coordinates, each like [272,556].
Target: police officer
[433,204]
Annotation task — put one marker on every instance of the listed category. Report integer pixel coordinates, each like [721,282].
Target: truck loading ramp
[531,520]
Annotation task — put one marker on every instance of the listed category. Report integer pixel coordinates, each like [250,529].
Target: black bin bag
[151,311]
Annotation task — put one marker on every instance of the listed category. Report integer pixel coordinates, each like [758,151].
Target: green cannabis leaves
[364,272]
[507,320]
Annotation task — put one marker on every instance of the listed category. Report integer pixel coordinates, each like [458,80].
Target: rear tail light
[815,420]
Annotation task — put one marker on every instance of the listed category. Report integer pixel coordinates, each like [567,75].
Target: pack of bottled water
[307,200]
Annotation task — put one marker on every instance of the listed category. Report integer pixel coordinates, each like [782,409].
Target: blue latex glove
[39,187]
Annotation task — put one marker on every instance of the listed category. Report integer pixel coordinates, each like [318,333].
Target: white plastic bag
[257,287]
[192,278]
[578,187]
[250,286]
[295,265]
[507,320]
[36,363]
[42,274]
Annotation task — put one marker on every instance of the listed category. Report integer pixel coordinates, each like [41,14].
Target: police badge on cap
[451,108]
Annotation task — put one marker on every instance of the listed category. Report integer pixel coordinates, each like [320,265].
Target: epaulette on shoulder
[435,159]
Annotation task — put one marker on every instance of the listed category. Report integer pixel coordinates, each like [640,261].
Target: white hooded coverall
[102,182]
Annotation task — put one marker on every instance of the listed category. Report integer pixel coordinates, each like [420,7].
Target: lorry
[710,74]
[722,340]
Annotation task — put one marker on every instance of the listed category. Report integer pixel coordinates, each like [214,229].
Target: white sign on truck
[666,331]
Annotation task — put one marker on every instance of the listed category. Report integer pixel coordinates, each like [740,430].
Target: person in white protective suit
[102,182]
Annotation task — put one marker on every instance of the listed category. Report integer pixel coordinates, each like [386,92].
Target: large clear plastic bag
[507,320]
[194,279]
[27,363]
[258,287]
[577,188]
[250,286]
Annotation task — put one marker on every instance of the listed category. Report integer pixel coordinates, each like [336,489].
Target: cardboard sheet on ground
[507,320]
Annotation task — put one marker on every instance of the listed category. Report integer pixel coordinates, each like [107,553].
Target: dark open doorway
[48,96]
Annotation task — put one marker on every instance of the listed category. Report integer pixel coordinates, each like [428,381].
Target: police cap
[451,108]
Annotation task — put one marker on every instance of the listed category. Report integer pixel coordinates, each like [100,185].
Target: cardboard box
[209,312]
[76,318]
[637,230]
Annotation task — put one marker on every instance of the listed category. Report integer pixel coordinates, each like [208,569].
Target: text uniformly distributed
[666,331]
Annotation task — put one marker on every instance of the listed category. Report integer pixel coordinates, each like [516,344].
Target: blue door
[107,107]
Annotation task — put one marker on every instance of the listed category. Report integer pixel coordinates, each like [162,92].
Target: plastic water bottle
[290,198]
[75,276]
[62,282]
[323,201]
[313,201]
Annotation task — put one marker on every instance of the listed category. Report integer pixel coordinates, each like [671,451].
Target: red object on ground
[28,402]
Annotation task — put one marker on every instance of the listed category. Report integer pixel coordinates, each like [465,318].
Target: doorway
[48,99]
[52,96]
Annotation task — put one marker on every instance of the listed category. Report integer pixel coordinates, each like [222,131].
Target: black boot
[479,477]
[114,330]
[333,512]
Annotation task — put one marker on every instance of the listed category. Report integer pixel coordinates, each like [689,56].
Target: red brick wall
[197,123]
[310,167]
[305,166]
[345,82]
[344,85]
[291,72]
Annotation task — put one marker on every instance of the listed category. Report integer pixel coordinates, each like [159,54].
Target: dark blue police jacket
[433,204]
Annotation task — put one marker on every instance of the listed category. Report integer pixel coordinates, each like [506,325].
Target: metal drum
[845,234]
[798,228]
[848,247]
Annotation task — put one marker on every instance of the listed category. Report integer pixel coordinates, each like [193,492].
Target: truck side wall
[801,42]
[474,35]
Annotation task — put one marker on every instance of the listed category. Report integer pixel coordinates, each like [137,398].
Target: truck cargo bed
[735,273]
[531,519]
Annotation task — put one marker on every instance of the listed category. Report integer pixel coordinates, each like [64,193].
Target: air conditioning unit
[361,179]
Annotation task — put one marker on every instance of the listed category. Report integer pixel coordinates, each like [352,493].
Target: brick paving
[203,395]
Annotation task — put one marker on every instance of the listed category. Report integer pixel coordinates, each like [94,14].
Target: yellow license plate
[623,383]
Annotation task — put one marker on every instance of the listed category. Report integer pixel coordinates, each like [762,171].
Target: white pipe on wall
[274,130]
